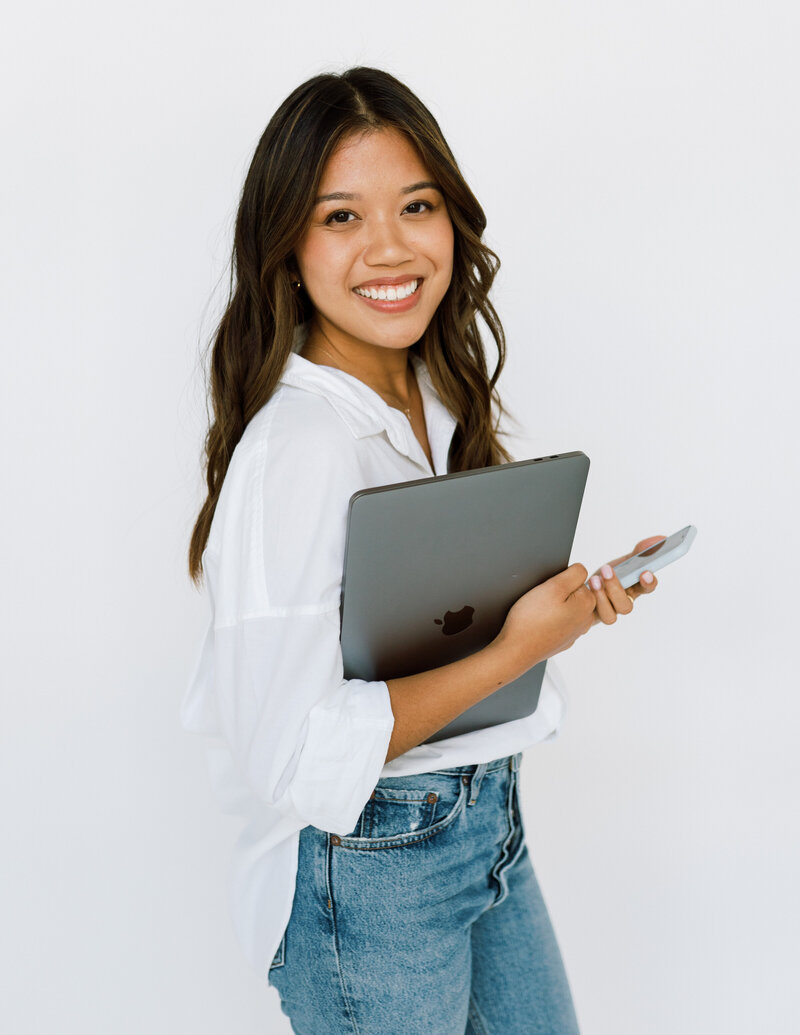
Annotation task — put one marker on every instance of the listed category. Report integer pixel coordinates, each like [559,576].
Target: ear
[292,272]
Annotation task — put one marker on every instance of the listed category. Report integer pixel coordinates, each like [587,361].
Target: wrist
[509,660]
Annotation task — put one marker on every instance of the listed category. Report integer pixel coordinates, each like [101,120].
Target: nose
[387,244]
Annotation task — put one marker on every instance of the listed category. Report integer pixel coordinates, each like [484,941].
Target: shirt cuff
[342,758]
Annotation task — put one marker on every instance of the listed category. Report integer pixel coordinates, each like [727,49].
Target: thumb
[644,544]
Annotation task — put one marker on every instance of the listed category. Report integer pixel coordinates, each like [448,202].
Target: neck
[385,370]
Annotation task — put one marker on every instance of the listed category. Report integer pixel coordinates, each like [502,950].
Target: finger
[572,578]
[643,585]
[604,609]
[645,544]
[585,598]
[619,599]
[582,599]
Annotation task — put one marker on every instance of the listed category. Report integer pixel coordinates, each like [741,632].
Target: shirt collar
[366,413]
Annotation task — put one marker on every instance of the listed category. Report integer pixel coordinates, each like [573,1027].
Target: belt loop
[514,762]
[475,783]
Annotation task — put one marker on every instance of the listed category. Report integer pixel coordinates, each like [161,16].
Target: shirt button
[335,839]
[432,797]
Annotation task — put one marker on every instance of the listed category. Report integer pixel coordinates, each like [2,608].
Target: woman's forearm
[428,701]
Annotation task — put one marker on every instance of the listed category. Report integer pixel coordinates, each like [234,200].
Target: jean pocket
[279,958]
[399,815]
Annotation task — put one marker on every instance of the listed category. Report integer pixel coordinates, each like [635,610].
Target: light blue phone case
[662,553]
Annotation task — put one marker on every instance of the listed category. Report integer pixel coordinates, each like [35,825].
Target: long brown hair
[255,336]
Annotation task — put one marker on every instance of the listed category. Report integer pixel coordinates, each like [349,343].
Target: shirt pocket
[398,815]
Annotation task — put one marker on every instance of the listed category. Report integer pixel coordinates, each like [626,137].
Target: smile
[389,292]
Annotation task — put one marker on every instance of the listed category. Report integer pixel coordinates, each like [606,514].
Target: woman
[382,884]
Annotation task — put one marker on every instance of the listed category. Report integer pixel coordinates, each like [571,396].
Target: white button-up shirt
[292,742]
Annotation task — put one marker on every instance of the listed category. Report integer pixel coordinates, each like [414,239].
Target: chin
[401,338]
[396,344]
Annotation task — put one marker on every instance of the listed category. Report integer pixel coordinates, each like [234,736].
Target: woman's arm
[545,621]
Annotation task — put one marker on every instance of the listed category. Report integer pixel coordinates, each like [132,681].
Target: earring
[295,285]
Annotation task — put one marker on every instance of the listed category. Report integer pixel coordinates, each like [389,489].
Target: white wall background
[639,164]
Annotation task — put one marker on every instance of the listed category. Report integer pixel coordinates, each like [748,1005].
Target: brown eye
[339,217]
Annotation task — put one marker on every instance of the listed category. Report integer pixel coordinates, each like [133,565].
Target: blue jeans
[425,918]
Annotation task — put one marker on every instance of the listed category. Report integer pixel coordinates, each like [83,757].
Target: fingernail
[595,581]
[607,571]
[647,577]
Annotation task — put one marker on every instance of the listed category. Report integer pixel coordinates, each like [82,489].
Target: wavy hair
[256,333]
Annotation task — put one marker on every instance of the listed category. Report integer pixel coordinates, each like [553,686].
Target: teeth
[392,294]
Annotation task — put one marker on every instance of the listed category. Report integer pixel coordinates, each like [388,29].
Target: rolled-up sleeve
[303,738]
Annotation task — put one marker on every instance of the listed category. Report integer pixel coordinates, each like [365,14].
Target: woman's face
[379,225]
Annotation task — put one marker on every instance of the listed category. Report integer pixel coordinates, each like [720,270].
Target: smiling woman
[383,883]
[288,195]
[358,316]
[402,233]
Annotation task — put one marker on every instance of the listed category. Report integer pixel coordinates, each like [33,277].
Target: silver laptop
[433,566]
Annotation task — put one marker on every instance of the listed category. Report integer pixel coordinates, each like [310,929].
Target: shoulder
[297,436]
[295,453]
[296,418]
[278,533]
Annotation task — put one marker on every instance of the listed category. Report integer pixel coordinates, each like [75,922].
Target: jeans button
[335,839]
[432,797]
[465,779]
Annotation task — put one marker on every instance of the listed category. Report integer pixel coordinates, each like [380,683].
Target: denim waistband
[511,762]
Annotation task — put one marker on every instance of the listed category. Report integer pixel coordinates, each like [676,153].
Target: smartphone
[654,557]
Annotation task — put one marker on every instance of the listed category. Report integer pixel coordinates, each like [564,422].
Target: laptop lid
[433,566]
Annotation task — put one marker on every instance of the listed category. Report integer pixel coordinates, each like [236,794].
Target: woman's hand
[610,598]
[547,619]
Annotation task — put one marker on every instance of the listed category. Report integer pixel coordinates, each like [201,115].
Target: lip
[386,305]
[389,281]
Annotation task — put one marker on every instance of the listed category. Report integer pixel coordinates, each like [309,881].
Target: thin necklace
[405,409]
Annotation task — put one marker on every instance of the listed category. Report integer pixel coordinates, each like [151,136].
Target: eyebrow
[341,195]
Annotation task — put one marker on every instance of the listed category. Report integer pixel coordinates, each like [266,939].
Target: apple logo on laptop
[456,621]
